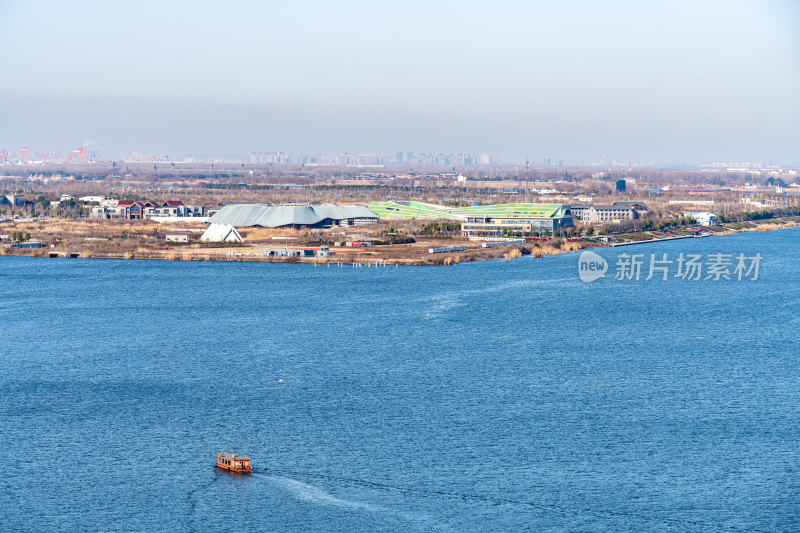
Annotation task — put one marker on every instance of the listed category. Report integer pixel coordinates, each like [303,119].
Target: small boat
[234,463]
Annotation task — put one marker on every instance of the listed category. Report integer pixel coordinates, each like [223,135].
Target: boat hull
[234,470]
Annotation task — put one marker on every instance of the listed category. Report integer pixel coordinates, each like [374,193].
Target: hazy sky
[667,81]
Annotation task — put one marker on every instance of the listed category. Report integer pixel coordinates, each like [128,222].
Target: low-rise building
[579,211]
[287,252]
[177,237]
[524,222]
[640,207]
[131,210]
[174,209]
[92,199]
[610,214]
[485,220]
[107,212]
[324,251]
[704,218]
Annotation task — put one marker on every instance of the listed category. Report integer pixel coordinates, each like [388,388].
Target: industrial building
[293,215]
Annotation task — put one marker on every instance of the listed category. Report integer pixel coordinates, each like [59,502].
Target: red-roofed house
[133,210]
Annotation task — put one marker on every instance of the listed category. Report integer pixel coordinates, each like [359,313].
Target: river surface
[496,396]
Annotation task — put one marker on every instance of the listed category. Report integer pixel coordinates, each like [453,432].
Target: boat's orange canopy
[231,457]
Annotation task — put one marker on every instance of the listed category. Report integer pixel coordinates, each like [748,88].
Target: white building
[704,218]
[175,211]
[177,237]
[90,199]
[107,212]
[221,233]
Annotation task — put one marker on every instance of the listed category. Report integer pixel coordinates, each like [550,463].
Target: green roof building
[485,220]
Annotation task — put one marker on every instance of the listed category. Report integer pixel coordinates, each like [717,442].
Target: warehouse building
[293,215]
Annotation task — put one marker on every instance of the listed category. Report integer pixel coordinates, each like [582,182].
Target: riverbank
[145,240]
[379,256]
[706,231]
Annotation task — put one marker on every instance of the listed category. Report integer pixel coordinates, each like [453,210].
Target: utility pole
[527,173]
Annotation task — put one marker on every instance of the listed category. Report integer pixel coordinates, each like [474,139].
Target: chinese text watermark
[689,267]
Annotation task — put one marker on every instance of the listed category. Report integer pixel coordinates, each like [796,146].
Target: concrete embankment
[615,244]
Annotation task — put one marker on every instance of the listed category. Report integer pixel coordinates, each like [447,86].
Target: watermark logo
[591,266]
[687,267]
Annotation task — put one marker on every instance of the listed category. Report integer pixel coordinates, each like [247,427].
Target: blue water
[480,397]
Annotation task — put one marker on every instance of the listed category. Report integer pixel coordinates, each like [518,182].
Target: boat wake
[448,300]
[310,493]
[314,494]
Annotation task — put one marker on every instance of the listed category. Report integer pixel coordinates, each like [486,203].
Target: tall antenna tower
[527,174]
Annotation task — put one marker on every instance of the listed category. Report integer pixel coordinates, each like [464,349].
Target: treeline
[395,239]
[648,224]
[225,186]
[682,221]
[678,222]
[441,228]
[759,215]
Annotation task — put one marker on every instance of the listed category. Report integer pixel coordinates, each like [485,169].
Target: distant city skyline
[668,82]
[441,160]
